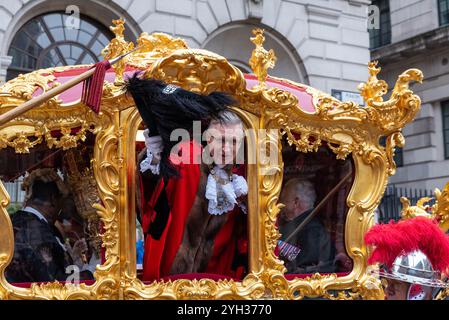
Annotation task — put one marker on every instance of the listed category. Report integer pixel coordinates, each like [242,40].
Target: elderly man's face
[224,142]
[292,205]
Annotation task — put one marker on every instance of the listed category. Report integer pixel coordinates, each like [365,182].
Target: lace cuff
[146,165]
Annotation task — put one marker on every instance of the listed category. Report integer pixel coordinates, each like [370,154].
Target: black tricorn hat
[165,107]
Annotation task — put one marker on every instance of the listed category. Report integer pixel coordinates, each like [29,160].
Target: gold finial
[261,59]
[119,27]
[441,207]
[374,89]
[390,116]
[117,47]
[420,210]
[439,211]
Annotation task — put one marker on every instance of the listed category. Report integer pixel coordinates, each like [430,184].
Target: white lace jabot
[223,197]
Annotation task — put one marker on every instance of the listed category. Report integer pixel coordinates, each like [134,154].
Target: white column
[5,61]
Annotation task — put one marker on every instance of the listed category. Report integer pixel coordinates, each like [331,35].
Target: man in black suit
[317,252]
[39,251]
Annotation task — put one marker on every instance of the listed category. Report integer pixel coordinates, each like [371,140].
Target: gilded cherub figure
[261,59]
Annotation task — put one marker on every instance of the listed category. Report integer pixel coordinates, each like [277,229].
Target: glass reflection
[195,223]
[312,221]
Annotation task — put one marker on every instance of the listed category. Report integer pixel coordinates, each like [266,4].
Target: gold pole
[37,101]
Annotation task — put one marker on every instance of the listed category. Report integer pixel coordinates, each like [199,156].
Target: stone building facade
[322,43]
[420,38]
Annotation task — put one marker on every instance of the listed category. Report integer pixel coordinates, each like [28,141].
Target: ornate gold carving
[23,87]
[441,208]
[420,210]
[439,211]
[105,167]
[68,140]
[154,46]
[347,128]
[197,70]
[117,47]
[21,142]
[396,139]
[390,116]
[261,59]
[204,289]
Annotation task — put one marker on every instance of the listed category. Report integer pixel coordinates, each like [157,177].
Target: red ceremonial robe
[181,193]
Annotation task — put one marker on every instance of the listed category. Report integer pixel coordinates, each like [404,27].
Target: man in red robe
[194,221]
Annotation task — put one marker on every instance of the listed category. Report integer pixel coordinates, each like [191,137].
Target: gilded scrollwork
[154,46]
[105,168]
[401,108]
[117,47]
[24,86]
[261,59]
[21,142]
[347,128]
[439,211]
[441,207]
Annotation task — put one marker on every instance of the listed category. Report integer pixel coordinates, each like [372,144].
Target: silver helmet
[414,267]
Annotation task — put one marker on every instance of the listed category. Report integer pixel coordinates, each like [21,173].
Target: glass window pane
[36,41]
[446,123]
[446,136]
[88,27]
[43,40]
[30,62]
[34,28]
[103,40]
[445,107]
[97,47]
[70,61]
[71,34]
[16,57]
[221,247]
[383,36]
[88,59]
[76,52]
[58,34]
[65,50]
[313,240]
[22,41]
[84,37]
[53,20]
[443,7]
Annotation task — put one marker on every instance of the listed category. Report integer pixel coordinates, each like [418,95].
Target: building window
[443,12]
[445,108]
[382,36]
[45,42]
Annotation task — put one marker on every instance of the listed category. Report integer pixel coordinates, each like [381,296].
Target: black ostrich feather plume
[164,111]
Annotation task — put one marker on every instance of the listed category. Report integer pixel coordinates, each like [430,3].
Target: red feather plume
[396,238]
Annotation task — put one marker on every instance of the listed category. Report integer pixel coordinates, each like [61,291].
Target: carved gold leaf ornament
[347,128]
[261,60]
[441,208]
[439,211]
